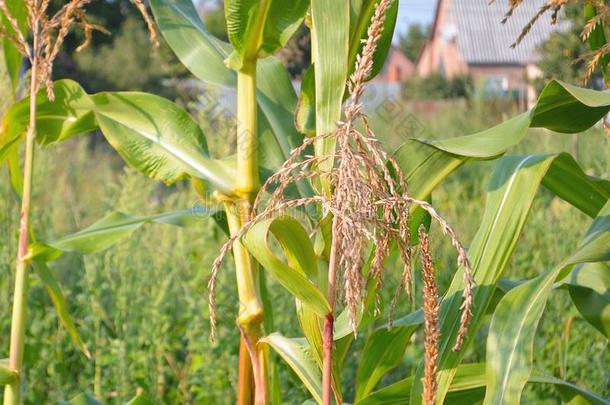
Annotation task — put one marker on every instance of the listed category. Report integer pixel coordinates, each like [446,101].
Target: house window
[496,86]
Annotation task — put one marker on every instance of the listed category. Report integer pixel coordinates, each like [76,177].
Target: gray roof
[483,39]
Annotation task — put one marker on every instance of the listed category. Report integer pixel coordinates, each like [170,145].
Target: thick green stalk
[250,317]
[12,392]
[247,132]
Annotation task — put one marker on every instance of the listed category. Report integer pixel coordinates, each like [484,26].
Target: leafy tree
[412,41]
[215,21]
[563,47]
[436,86]
[296,56]
[127,63]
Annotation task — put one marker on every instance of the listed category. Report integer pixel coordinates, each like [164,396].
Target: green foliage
[436,86]
[560,52]
[413,40]
[127,63]
[215,22]
[301,259]
[259,28]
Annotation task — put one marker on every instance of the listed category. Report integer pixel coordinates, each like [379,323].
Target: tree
[564,46]
[127,63]
[215,21]
[412,42]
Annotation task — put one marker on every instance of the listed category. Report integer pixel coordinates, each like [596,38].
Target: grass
[142,306]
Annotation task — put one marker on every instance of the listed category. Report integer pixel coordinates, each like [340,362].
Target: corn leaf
[69,115]
[511,191]
[468,387]
[12,57]
[295,353]
[151,133]
[257,28]
[301,259]
[589,287]
[361,12]
[158,138]
[561,107]
[197,49]
[330,44]
[384,350]
[61,306]
[597,39]
[204,56]
[108,231]
[510,343]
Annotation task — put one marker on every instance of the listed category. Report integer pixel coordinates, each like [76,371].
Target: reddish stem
[245,378]
[327,363]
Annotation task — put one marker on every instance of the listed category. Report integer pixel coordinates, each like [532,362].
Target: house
[468,37]
[397,68]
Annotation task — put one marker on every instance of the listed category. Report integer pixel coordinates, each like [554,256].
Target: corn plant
[367,203]
[29,30]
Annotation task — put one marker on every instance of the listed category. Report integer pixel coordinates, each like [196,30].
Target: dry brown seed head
[431,325]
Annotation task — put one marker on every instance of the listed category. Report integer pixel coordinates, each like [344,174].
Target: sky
[414,11]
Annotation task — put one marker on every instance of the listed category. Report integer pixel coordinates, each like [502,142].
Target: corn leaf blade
[296,354]
[108,231]
[258,28]
[294,278]
[468,387]
[511,336]
[511,191]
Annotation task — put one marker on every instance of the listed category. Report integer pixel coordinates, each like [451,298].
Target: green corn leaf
[69,115]
[12,57]
[204,56]
[468,387]
[566,108]
[61,306]
[277,102]
[589,287]
[410,323]
[257,28]
[510,343]
[15,173]
[158,138]
[151,133]
[561,107]
[305,112]
[82,399]
[330,44]
[296,354]
[297,247]
[384,350]
[108,231]
[361,12]
[197,49]
[511,191]
[7,376]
